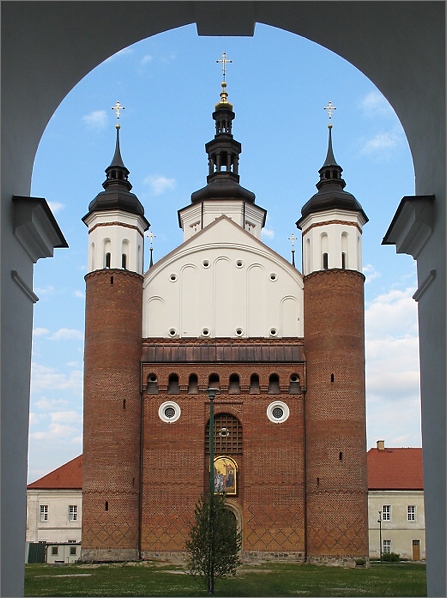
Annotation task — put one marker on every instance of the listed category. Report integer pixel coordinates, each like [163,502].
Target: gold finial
[292,238]
[117,109]
[330,108]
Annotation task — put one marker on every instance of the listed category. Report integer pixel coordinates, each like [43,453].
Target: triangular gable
[221,232]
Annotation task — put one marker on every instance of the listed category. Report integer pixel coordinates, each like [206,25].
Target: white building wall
[117,233]
[58,527]
[223,282]
[398,529]
[333,232]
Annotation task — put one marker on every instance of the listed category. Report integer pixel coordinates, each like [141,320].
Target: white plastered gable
[223,282]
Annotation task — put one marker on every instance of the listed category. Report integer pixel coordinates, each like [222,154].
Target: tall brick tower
[335,421]
[112,404]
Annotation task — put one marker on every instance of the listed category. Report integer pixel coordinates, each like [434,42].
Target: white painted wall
[118,233]
[223,282]
[333,232]
[58,527]
[399,530]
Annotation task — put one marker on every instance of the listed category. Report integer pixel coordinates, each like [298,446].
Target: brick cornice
[343,222]
[109,271]
[116,223]
[345,272]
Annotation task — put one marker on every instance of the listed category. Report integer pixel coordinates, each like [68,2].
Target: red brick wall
[112,411]
[336,481]
[270,499]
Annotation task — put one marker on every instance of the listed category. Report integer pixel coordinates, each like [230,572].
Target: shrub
[390,557]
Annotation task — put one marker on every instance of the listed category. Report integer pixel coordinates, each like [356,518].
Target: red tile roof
[388,469]
[65,477]
[395,469]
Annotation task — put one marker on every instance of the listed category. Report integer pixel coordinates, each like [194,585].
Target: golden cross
[117,109]
[224,61]
[330,108]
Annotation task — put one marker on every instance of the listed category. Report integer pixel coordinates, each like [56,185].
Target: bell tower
[335,420]
[112,403]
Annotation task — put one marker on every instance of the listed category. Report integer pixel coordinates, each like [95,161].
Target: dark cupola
[223,158]
[116,194]
[331,194]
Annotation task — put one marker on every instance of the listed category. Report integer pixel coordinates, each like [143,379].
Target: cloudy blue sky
[279,84]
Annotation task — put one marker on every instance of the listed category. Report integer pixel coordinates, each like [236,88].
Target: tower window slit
[111,280]
[340,456]
[108,259]
[106,505]
[332,378]
[343,260]
[325,261]
[124,261]
[124,403]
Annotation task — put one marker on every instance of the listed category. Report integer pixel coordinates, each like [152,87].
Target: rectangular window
[72,550]
[386,513]
[386,546]
[54,550]
[411,513]
[44,512]
[73,513]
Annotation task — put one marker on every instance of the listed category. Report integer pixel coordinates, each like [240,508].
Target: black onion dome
[330,187]
[116,194]
[223,158]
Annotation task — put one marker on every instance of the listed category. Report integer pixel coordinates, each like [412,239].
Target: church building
[284,348]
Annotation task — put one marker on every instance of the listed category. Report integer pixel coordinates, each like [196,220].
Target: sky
[279,84]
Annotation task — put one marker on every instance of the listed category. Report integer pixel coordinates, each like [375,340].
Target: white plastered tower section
[116,222]
[331,223]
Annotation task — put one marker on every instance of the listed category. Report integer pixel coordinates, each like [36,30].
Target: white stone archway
[47,47]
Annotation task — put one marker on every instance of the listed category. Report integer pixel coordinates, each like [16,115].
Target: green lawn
[269,579]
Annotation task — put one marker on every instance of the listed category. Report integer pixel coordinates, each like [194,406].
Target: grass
[149,578]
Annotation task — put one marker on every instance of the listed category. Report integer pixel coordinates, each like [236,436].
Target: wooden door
[416,550]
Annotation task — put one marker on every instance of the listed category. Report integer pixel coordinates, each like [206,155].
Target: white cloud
[40,331]
[43,377]
[79,294]
[381,145]
[48,290]
[392,369]
[64,334]
[49,404]
[375,104]
[66,417]
[159,184]
[95,120]
[147,58]
[54,431]
[370,273]
[266,232]
[56,206]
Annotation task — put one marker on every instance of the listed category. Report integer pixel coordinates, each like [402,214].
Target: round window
[173,277]
[273,277]
[240,264]
[278,412]
[169,412]
[205,332]
[205,264]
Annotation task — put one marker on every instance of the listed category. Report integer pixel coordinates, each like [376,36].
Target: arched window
[213,381]
[108,259]
[152,385]
[234,386]
[274,385]
[254,384]
[294,386]
[227,435]
[123,261]
[325,261]
[193,384]
[173,387]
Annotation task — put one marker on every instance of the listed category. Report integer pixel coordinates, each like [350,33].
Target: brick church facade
[284,348]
